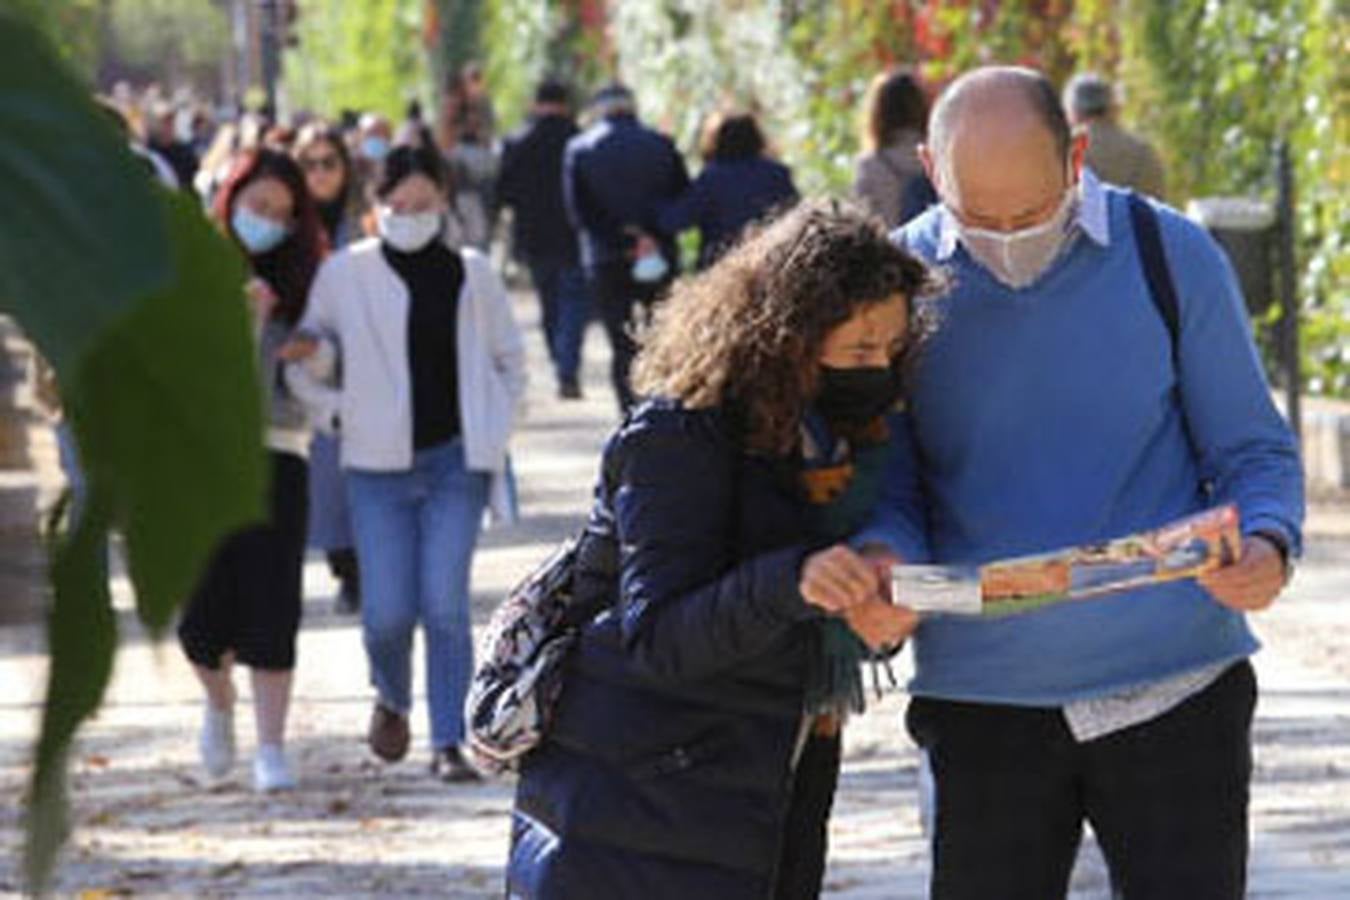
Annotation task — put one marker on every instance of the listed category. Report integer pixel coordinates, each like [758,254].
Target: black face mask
[856,396]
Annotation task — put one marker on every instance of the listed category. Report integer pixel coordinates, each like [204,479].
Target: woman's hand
[880,624]
[298,348]
[261,299]
[836,579]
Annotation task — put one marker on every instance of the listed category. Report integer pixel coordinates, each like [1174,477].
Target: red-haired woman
[247,607]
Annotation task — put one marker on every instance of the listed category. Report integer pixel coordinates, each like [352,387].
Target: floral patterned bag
[519,678]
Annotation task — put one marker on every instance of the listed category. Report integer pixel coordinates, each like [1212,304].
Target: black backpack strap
[1148,240]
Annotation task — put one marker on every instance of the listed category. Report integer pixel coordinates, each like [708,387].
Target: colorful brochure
[1183,549]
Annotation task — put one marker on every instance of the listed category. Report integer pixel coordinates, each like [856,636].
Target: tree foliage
[525,40]
[1215,85]
[170,32]
[1220,84]
[72,26]
[366,56]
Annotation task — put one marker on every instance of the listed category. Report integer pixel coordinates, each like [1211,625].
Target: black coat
[531,184]
[619,174]
[667,771]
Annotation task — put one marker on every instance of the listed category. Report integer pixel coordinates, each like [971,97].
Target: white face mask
[405,232]
[1018,258]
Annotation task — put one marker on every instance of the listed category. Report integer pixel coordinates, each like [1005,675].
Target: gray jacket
[286,419]
[879,178]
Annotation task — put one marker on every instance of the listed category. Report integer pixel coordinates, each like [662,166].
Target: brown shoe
[450,766]
[388,736]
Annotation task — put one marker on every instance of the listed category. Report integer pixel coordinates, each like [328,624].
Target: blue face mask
[257,233]
[650,268]
[374,148]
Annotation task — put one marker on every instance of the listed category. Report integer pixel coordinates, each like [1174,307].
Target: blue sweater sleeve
[689,608]
[901,518]
[1244,447]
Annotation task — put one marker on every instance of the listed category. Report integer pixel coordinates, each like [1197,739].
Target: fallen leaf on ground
[234,867]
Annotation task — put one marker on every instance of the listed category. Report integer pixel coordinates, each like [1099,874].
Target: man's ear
[926,157]
[1078,149]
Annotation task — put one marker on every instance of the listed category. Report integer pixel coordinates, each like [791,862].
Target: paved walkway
[358,828]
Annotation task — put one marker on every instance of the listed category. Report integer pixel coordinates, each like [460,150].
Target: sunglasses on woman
[329,163]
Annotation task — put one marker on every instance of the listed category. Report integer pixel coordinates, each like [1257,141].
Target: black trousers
[248,600]
[618,298]
[801,865]
[1166,798]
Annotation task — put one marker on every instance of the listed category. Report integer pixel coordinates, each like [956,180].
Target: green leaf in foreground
[81,634]
[137,302]
[168,419]
[165,410]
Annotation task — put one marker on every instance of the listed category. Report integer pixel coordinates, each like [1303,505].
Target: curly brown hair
[747,333]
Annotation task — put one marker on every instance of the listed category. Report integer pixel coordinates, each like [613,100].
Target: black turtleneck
[434,276]
[330,214]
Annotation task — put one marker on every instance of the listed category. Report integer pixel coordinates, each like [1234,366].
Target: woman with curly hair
[694,749]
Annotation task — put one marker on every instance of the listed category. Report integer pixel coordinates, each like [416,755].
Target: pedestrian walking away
[531,185]
[889,178]
[739,185]
[1113,154]
[617,175]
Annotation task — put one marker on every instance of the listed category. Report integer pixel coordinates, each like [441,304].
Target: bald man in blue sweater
[1061,404]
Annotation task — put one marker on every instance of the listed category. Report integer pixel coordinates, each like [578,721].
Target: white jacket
[359,307]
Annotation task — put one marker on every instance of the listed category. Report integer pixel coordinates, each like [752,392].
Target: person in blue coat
[530,182]
[739,185]
[724,615]
[617,176]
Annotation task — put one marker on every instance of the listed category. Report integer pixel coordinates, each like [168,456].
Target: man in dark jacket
[531,184]
[617,175]
[162,139]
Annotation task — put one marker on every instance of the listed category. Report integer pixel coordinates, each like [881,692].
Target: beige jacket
[1122,159]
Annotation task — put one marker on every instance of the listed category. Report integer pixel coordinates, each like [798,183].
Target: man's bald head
[999,149]
[1011,96]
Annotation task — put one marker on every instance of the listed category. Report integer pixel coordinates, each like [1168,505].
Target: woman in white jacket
[432,374]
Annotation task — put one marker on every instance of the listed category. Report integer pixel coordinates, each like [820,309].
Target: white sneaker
[271,770]
[217,741]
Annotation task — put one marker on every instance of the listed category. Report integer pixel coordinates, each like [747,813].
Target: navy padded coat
[667,771]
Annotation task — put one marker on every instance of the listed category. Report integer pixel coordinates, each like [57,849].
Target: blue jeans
[415,536]
[566,305]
